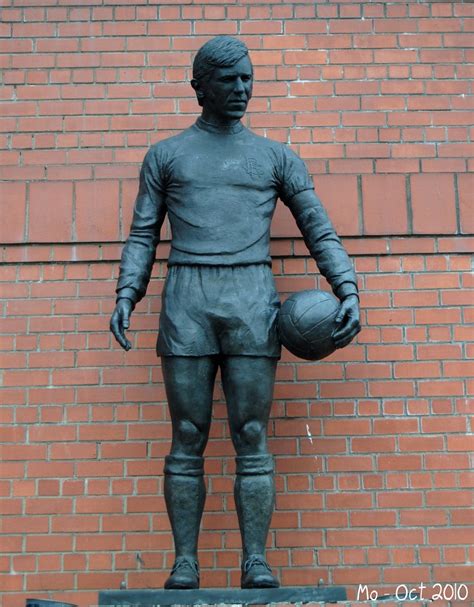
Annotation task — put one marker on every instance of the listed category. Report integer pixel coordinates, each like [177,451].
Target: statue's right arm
[139,252]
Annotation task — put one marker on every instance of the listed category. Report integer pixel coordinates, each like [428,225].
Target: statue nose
[239,85]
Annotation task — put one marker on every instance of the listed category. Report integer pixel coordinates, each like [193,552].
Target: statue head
[223,78]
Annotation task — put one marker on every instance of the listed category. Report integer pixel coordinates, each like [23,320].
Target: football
[306,324]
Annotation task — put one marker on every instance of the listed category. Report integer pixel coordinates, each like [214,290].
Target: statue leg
[189,383]
[248,386]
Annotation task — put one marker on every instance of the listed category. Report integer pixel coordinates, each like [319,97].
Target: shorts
[212,310]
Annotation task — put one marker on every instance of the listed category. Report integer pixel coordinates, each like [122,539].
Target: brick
[350,464]
[363,119]
[447,498]
[298,538]
[333,190]
[433,204]
[430,443]
[384,204]
[324,519]
[465,188]
[441,388]
[305,26]
[350,537]
[462,517]
[13,202]
[435,280]
[97,217]
[355,575]
[50,212]
[423,298]
[400,575]
[417,370]
[399,462]
[400,536]
[444,425]
[52,324]
[12,582]
[53,581]
[373,445]
[447,536]
[98,505]
[458,369]
[437,316]
[300,57]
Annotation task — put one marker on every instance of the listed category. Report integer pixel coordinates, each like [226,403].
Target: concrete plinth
[224,596]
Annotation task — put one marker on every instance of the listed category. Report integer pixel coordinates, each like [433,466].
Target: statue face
[226,93]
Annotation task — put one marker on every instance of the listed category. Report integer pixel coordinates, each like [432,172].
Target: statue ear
[198,89]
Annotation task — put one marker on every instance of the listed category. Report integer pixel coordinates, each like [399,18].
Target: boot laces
[184,561]
[255,560]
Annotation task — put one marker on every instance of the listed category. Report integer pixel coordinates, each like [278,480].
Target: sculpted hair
[221,51]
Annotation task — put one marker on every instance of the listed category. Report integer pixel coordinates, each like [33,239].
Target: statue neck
[233,126]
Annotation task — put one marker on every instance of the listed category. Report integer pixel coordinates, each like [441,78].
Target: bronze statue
[219,184]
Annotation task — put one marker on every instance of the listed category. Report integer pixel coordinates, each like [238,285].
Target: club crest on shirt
[253,168]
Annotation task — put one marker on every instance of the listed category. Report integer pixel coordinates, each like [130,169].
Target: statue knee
[252,435]
[189,437]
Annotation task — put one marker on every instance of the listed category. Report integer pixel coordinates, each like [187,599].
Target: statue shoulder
[161,152]
[168,144]
[282,151]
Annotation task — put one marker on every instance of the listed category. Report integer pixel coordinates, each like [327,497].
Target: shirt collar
[222,130]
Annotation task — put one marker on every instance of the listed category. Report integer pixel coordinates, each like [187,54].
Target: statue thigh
[189,384]
[248,383]
[248,387]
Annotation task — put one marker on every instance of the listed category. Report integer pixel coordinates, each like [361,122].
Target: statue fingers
[117,326]
[346,333]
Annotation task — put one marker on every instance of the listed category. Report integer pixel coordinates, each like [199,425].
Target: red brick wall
[372,445]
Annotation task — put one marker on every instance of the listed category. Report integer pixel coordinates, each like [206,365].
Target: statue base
[224,596]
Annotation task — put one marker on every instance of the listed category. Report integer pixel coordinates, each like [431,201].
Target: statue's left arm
[295,188]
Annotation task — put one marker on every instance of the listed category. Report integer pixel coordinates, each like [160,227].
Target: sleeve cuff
[127,293]
[345,289]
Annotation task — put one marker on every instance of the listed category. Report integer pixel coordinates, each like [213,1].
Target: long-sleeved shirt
[220,187]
